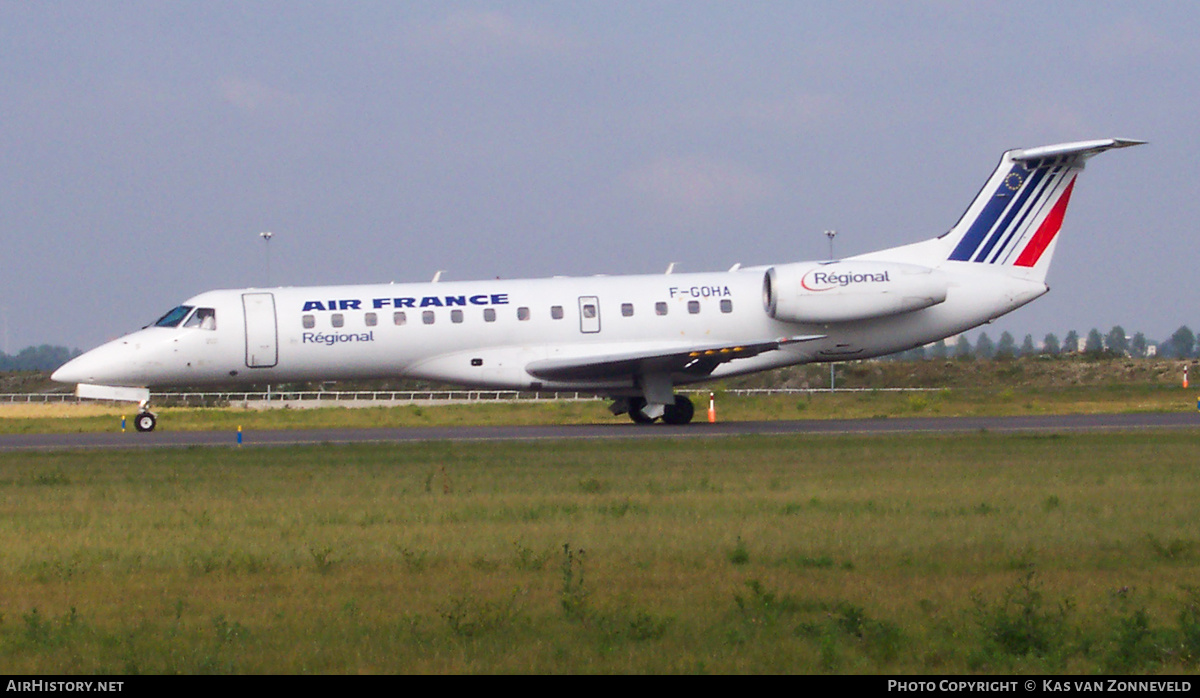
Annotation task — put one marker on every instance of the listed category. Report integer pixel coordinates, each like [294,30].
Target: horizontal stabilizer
[697,360]
[1084,148]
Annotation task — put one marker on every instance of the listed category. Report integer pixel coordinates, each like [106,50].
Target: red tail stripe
[1046,231]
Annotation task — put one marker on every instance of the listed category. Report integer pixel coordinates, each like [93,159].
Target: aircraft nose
[64,374]
[106,364]
[77,370]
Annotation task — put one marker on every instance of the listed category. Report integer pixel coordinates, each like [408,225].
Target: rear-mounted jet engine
[851,290]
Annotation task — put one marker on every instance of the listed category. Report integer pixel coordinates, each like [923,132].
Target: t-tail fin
[1015,219]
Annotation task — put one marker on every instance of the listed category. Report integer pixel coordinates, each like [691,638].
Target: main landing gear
[681,412]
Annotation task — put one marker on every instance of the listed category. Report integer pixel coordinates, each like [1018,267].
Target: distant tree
[1094,344]
[40,358]
[1027,348]
[985,348]
[1182,343]
[1138,346]
[938,350]
[1006,348]
[914,354]
[1115,341]
[1050,344]
[962,347]
[1070,343]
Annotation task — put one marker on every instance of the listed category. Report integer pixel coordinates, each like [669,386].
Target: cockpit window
[204,318]
[174,316]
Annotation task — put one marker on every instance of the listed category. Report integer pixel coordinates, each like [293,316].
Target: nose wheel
[145,421]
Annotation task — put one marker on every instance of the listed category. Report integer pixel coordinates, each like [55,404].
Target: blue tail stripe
[1042,198]
[1018,213]
[1014,206]
[983,222]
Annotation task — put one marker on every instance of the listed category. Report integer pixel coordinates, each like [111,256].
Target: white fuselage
[631,337]
[485,333]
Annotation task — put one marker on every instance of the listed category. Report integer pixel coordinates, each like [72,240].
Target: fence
[333,397]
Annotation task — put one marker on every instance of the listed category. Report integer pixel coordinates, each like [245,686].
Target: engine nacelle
[849,290]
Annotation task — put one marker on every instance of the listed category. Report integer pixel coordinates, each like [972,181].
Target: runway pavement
[164,437]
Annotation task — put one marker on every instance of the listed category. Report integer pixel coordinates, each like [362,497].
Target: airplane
[632,339]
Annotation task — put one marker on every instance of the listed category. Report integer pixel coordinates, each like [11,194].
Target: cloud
[482,33]
[697,186]
[1051,117]
[1130,39]
[797,114]
[253,97]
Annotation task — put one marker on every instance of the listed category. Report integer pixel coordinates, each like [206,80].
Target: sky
[145,145]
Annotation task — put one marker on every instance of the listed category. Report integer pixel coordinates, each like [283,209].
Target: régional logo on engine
[818,280]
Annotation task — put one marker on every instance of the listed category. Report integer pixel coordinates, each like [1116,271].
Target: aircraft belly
[501,368]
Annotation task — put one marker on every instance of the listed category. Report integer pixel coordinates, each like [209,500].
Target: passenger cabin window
[660,308]
[489,314]
[693,307]
[556,312]
[309,321]
[399,318]
[371,319]
[204,318]
[522,313]
[589,310]
[456,316]
[427,317]
[627,309]
[174,316]
[338,320]
[726,305]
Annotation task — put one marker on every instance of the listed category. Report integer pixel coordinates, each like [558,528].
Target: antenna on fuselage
[670,268]
[437,276]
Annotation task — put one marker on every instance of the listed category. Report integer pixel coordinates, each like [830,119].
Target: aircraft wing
[698,360]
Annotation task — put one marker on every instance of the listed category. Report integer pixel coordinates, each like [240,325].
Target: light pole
[831,234]
[266,236]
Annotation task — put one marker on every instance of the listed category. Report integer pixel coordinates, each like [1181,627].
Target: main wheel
[144,421]
[635,411]
[679,413]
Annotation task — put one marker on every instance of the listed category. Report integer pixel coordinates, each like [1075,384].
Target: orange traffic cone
[712,409]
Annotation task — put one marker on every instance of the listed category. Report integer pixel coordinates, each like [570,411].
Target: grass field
[995,400]
[972,553]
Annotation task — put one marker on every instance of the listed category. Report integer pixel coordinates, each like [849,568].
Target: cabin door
[262,335]
[589,314]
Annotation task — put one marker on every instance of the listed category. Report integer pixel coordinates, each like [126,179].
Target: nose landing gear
[145,421]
